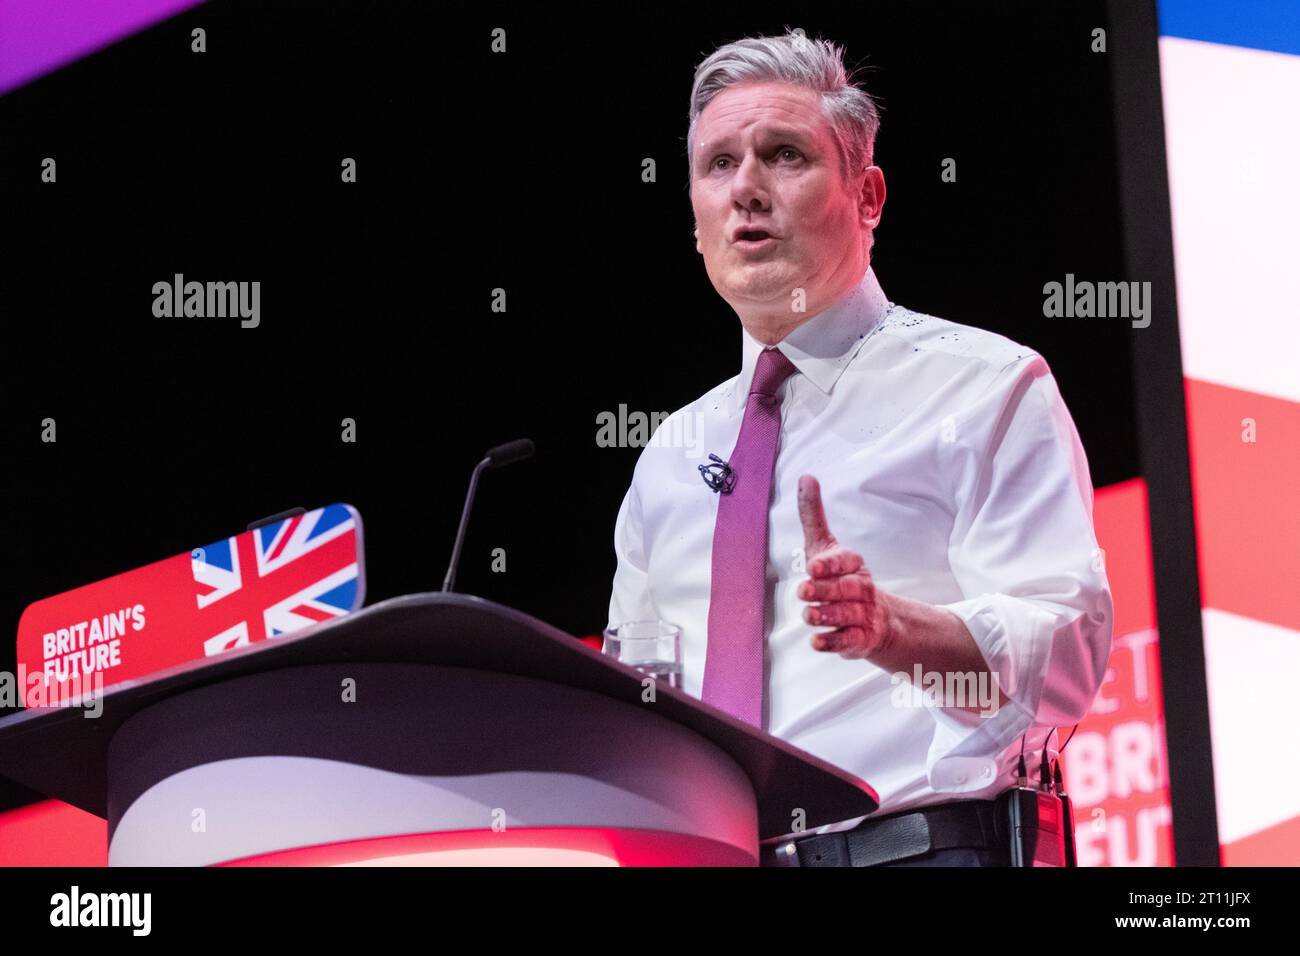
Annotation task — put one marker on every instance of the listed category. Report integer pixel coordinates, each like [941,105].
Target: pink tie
[733,663]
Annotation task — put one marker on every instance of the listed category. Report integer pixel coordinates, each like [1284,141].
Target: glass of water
[652,647]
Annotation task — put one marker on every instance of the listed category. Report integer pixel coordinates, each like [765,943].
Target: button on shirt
[947,459]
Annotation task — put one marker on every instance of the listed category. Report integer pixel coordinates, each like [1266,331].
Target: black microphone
[506,454]
[719,476]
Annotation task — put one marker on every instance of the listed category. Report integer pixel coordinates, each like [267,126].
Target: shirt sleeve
[1025,555]
[631,599]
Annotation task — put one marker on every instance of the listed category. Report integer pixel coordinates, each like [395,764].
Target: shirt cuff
[1014,636]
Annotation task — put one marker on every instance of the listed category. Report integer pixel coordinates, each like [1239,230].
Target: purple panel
[37,36]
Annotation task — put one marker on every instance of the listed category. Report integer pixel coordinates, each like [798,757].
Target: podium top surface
[62,753]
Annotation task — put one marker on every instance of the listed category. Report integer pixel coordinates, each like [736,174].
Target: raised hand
[839,589]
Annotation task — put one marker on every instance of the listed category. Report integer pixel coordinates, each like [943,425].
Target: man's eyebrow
[785,132]
[768,133]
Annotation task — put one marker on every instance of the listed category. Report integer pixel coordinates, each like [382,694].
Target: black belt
[897,836]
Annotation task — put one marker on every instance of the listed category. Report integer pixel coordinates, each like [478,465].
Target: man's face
[766,161]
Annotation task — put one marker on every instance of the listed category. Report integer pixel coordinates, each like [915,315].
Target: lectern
[427,729]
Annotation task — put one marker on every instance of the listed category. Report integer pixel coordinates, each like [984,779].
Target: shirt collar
[822,347]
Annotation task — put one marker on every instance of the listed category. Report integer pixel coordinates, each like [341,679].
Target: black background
[476,171]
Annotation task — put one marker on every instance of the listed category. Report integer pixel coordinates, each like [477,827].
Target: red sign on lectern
[259,585]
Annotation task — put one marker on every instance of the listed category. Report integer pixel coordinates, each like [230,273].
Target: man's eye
[789,151]
[720,159]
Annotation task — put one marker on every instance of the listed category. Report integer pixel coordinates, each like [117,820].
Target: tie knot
[773,368]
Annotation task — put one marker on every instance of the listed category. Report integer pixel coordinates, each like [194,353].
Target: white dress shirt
[948,460]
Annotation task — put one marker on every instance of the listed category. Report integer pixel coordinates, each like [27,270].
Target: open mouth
[754,235]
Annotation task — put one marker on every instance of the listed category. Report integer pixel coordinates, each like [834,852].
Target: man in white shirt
[891,563]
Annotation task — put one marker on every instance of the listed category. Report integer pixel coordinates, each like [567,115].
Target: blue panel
[331,515]
[345,595]
[1259,24]
[216,554]
[266,534]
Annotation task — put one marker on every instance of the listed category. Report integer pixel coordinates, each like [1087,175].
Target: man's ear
[871,197]
[697,242]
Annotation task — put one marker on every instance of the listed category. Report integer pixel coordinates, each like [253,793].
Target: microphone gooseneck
[497,457]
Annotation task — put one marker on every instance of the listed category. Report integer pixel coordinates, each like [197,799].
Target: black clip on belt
[965,823]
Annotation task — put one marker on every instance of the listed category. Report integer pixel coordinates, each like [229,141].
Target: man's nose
[749,185]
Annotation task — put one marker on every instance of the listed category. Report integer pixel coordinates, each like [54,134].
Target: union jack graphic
[278,578]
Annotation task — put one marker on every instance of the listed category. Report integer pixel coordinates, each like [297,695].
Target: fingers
[852,642]
[847,587]
[817,535]
[838,579]
[835,562]
[839,614]
[841,641]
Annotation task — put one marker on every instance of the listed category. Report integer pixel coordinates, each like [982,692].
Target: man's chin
[756,286]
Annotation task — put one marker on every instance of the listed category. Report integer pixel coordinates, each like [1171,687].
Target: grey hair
[817,65]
